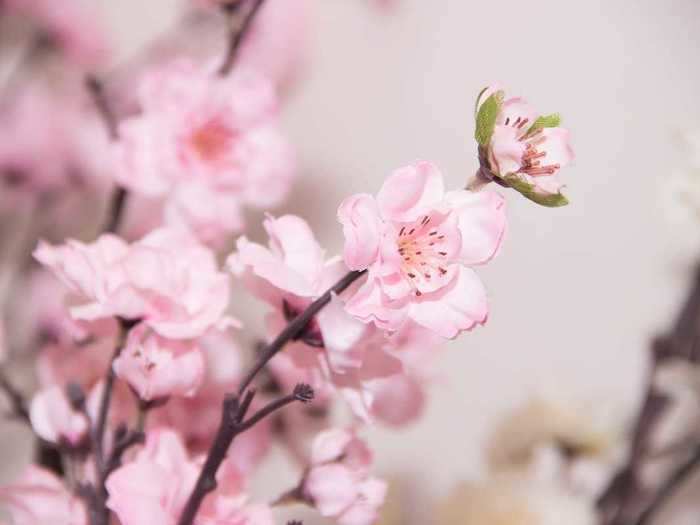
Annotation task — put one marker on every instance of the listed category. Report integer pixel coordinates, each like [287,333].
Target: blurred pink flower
[521,147]
[38,496]
[50,141]
[167,279]
[157,368]
[53,418]
[338,483]
[154,488]
[206,144]
[74,26]
[418,243]
[390,387]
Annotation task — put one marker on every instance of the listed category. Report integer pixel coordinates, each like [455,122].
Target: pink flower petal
[359,216]
[482,223]
[460,307]
[410,191]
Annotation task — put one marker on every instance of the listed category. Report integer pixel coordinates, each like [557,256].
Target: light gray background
[576,292]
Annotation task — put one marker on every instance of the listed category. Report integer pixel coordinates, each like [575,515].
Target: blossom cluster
[148,395]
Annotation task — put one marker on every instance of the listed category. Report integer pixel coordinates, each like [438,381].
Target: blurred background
[578,292]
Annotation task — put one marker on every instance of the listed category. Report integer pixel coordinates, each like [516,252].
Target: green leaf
[478,99]
[529,191]
[486,118]
[545,121]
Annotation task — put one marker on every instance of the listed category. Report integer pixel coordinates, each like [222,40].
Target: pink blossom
[167,279]
[158,368]
[527,147]
[418,243]
[338,482]
[72,25]
[53,418]
[390,387]
[208,145]
[154,488]
[40,497]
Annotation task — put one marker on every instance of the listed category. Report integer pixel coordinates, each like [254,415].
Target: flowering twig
[240,24]
[102,464]
[232,425]
[234,412]
[297,325]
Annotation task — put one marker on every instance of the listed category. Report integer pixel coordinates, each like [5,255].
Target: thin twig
[118,199]
[97,92]
[239,29]
[231,426]
[297,325]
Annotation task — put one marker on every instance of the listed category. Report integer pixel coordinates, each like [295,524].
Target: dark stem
[669,487]
[231,426]
[98,429]
[118,199]
[116,209]
[302,393]
[97,92]
[297,325]
[239,29]
[233,412]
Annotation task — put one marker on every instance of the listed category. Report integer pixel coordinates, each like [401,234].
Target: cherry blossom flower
[523,149]
[154,488]
[157,368]
[167,279]
[338,483]
[53,418]
[38,496]
[207,144]
[418,243]
[71,25]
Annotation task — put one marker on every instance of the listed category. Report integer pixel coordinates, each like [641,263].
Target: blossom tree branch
[118,200]
[297,326]
[234,412]
[232,425]
[240,21]
[97,432]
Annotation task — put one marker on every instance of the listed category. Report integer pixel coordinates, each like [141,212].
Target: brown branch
[232,425]
[233,412]
[240,23]
[297,326]
[118,199]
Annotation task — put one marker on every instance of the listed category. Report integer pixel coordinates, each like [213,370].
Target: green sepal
[545,121]
[486,117]
[529,191]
